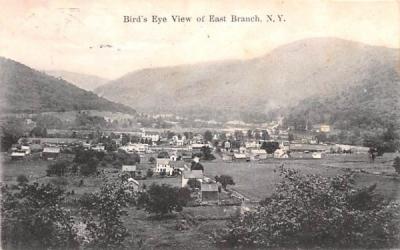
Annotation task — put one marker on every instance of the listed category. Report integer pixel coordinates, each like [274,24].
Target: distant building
[280,153]
[18,155]
[191,174]
[258,154]
[133,184]
[324,128]
[239,156]
[135,147]
[209,192]
[163,166]
[99,148]
[51,153]
[131,169]
[153,136]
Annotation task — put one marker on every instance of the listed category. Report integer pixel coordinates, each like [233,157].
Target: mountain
[83,81]
[288,74]
[371,106]
[24,89]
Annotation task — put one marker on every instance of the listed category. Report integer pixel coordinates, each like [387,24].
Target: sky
[70,35]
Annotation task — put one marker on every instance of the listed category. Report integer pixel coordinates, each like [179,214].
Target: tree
[59,168]
[160,199]
[311,211]
[163,154]
[238,135]
[206,154]
[12,130]
[264,135]
[152,160]
[89,168]
[194,183]
[33,218]
[149,172]
[270,146]
[38,132]
[249,134]
[396,164]
[208,136]
[102,212]
[225,180]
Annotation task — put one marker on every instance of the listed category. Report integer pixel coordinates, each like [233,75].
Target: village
[185,156]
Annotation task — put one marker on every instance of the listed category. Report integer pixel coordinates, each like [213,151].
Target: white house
[163,166]
[258,154]
[135,147]
[153,136]
[280,153]
[133,184]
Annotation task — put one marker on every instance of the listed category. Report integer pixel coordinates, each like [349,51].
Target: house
[26,149]
[324,128]
[135,147]
[191,174]
[50,153]
[281,154]
[209,192]
[18,155]
[163,166]
[133,185]
[197,147]
[153,136]
[179,140]
[240,157]
[131,169]
[173,157]
[99,148]
[227,157]
[258,154]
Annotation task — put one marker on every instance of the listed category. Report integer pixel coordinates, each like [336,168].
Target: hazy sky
[68,35]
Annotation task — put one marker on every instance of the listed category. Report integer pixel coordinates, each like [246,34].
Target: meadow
[256,180]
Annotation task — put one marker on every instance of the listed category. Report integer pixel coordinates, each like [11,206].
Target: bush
[32,218]
[194,183]
[224,180]
[313,211]
[149,172]
[162,199]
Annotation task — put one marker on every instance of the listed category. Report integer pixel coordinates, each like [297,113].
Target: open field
[256,180]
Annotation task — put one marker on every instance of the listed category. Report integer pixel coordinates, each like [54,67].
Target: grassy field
[256,180]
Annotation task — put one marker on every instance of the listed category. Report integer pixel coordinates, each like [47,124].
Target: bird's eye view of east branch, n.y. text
[181,124]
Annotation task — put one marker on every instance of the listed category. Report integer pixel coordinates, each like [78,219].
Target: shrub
[224,180]
[161,199]
[194,183]
[313,211]
[32,218]
[149,172]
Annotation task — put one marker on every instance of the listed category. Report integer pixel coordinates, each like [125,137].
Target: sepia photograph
[175,125]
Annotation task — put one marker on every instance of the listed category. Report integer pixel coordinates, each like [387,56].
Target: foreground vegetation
[313,211]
